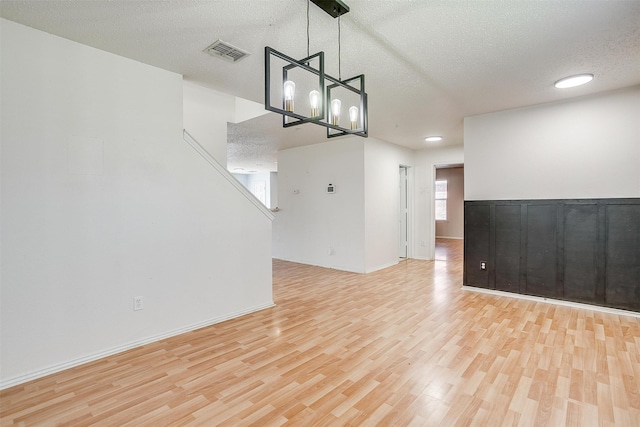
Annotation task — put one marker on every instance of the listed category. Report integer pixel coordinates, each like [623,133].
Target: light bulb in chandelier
[336,105]
[314,100]
[353,117]
[289,92]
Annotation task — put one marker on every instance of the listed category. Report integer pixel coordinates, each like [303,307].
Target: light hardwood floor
[401,346]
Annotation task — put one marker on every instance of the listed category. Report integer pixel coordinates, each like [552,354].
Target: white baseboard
[329,266]
[449,237]
[382,266]
[10,382]
[572,304]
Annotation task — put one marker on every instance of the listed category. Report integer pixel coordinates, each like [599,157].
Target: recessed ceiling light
[433,138]
[573,81]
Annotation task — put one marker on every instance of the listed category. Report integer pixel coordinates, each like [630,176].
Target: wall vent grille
[226,51]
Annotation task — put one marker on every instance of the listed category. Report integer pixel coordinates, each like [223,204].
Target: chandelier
[304,93]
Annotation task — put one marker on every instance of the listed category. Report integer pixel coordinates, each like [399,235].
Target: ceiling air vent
[224,50]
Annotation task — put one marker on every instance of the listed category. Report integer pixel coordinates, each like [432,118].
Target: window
[441,200]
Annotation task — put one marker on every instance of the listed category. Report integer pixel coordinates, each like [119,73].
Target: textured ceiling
[428,63]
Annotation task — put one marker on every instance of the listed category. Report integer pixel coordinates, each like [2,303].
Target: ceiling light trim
[433,138]
[573,81]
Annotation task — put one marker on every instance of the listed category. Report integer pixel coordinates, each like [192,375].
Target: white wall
[312,226]
[205,115]
[424,212]
[242,178]
[246,110]
[261,177]
[453,226]
[102,201]
[381,185]
[273,186]
[586,147]
[355,229]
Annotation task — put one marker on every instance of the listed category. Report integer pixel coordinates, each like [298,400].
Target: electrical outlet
[137,303]
[483,265]
[423,243]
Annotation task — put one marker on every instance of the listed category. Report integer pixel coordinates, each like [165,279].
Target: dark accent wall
[584,250]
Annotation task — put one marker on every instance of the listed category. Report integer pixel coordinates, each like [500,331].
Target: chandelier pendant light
[322,104]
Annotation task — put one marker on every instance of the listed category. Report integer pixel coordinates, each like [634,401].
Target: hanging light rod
[334,8]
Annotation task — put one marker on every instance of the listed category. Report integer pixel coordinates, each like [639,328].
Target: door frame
[409,209]
[432,226]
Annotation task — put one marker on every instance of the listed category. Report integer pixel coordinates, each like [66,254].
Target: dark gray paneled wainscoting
[583,250]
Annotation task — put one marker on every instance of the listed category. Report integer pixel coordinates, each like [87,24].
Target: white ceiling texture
[428,63]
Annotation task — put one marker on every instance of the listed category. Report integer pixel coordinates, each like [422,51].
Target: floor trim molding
[571,304]
[17,380]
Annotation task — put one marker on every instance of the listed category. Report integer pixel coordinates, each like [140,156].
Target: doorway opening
[448,210]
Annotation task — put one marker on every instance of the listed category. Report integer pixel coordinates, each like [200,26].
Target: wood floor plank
[398,347]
